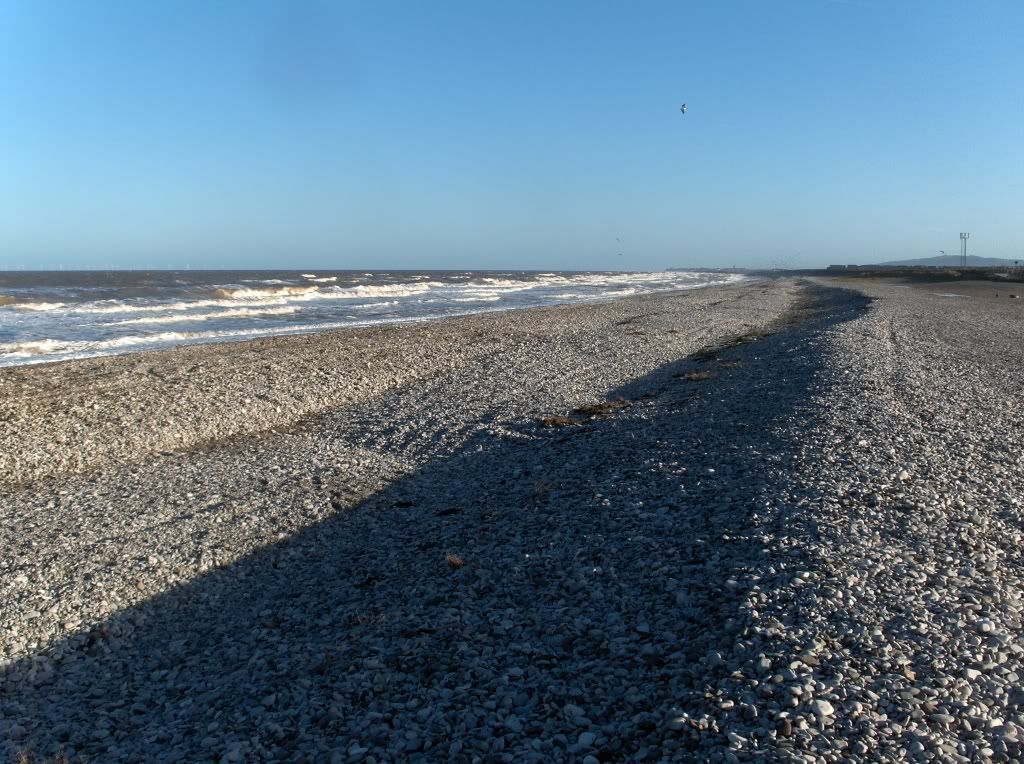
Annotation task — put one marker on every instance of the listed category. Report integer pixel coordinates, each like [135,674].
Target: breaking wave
[255,293]
[37,306]
[52,346]
[220,314]
[82,319]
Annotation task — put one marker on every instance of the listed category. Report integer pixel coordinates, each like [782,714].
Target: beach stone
[803,603]
[822,708]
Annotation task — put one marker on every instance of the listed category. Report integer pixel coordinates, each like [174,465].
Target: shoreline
[175,312]
[72,416]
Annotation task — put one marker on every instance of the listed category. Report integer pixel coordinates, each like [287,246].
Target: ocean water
[54,316]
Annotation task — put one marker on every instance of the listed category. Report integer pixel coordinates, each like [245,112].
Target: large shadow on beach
[537,585]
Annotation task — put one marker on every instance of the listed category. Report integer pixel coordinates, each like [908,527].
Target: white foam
[232,296]
[250,293]
[31,351]
[228,297]
[236,313]
[52,346]
[503,285]
[36,306]
[382,290]
[31,347]
[503,282]
[417,299]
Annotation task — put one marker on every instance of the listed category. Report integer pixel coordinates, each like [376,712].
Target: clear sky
[514,134]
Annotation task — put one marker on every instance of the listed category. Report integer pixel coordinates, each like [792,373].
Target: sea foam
[70,319]
[213,316]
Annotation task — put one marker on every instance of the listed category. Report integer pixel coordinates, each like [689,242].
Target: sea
[60,315]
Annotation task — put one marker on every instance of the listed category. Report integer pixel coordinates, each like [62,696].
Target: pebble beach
[776,520]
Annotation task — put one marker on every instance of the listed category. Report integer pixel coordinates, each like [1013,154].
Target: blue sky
[307,133]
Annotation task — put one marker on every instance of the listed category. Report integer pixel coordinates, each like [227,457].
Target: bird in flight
[683,108]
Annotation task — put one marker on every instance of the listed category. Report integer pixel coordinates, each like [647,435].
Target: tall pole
[963,249]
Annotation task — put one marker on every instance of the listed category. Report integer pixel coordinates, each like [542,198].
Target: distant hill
[953,261]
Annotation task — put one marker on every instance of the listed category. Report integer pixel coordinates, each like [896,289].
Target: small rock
[822,708]
[676,723]
[735,740]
